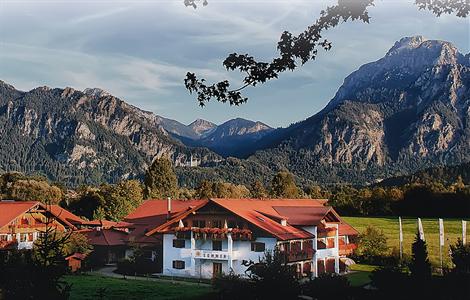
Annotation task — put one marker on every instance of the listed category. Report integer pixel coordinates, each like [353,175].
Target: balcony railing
[324,253]
[25,245]
[207,233]
[346,249]
[299,255]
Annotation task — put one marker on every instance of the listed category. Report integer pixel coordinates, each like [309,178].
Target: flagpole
[421,230]
[400,238]
[464,232]
[441,242]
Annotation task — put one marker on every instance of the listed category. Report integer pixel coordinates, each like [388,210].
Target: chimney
[169,208]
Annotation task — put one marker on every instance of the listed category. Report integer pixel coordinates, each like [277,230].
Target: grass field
[89,286]
[452,229]
[360,276]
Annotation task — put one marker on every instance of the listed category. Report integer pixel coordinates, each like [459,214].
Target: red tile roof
[65,214]
[346,229]
[105,237]
[79,256]
[107,224]
[257,212]
[10,210]
[155,211]
[265,214]
[303,216]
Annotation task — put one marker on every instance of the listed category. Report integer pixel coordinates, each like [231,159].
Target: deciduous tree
[283,186]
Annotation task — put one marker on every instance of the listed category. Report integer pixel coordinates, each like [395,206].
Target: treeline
[114,201]
[432,199]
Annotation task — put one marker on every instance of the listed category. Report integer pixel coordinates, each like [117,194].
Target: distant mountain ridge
[84,137]
[407,111]
[235,137]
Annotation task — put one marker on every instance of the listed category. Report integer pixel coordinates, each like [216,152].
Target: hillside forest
[420,195]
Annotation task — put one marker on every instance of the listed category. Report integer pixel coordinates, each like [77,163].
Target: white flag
[441,232]
[464,232]
[420,230]
[401,230]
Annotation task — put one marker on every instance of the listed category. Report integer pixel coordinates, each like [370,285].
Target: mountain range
[407,111]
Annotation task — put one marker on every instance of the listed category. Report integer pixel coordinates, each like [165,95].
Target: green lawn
[360,274]
[88,287]
[452,228]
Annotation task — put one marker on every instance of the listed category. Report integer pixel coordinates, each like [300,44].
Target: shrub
[372,246]
[328,286]
[387,278]
[234,287]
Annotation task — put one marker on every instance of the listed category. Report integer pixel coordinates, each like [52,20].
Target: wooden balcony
[297,251]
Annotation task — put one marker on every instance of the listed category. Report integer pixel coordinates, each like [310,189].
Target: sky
[140,51]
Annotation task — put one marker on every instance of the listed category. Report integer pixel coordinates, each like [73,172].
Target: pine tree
[160,180]
[420,266]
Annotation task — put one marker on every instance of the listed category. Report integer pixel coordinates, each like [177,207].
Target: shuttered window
[178,264]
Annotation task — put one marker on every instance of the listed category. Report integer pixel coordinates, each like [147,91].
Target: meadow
[389,226]
[100,287]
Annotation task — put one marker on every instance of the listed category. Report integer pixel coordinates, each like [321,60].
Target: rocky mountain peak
[410,62]
[406,43]
[96,92]
[201,126]
[5,85]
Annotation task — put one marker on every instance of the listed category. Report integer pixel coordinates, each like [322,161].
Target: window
[216,269]
[217,224]
[199,223]
[178,243]
[258,247]
[178,264]
[3,237]
[217,245]
[23,237]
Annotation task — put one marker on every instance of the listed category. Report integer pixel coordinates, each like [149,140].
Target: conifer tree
[160,180]
[420,266]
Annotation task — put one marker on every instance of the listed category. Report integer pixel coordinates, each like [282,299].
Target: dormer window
[283,222]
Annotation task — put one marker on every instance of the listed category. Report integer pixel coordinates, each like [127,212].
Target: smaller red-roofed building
[21,222]
[75,261]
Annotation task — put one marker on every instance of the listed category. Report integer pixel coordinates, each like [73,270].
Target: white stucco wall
[203,268]
[243,249]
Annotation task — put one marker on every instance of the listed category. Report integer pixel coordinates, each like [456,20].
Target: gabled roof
[260,213]
[155,211]
[265,214]
[77,256]
[346,229]
[10,210]
[107,224]
[65,214]
[105,237]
